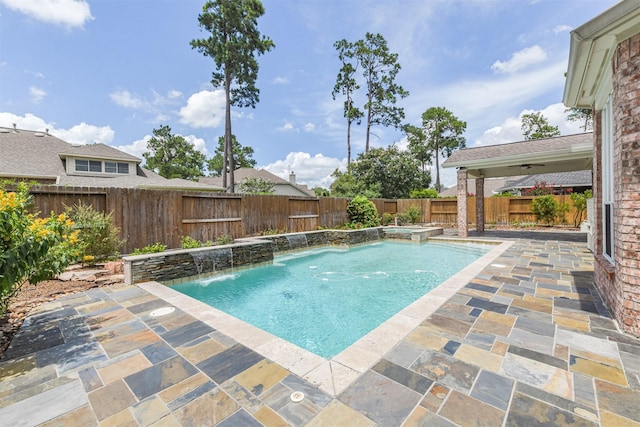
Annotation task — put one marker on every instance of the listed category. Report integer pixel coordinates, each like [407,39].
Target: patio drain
[297,396]
[162,311]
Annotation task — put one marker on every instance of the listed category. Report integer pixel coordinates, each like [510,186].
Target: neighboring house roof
[591,51]
[557,154]
[26,154]
[560,179]
[491,186]
[280,186]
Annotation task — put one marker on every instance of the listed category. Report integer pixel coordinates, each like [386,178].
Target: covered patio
[559,154]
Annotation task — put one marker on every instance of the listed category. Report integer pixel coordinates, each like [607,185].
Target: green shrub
[545,208]
[388,219]
[225,239]
[32,249]
[424,193]
[188,242]
[580,204]
[413,213]
[150,249]
[362,213]
[98,238]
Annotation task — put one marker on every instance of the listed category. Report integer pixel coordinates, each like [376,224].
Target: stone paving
[525,342]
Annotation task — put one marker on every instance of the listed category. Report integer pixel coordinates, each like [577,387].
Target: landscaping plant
[99,238]
[362,213]
[545,208]
[580,204]
[225,239]
[150,249]
[32,249]
[188,242]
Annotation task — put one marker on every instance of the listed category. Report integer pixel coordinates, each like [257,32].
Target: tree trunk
[228,166]
[366,147]
[437,169]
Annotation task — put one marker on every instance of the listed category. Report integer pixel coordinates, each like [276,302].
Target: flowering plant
[31,248]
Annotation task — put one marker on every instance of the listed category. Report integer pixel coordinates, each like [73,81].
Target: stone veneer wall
[187,263]
[626,118]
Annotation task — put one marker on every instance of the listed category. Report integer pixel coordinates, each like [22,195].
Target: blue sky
[111,71]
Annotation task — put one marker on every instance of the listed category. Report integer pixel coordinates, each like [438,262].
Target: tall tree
[442,134]
[380,68]
[346,85]
[233,44]
[242,157]
[172,156]
[584,115]
[418,146]
[536,126]
[392,171]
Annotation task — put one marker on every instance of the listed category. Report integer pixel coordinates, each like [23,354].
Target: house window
[607,181]
[95,166]
[82,165]
[88,165]
[123,168]
[110,167]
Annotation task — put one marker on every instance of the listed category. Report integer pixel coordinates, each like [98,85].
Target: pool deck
[524,340]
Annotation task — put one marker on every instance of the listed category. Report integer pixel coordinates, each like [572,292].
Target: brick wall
[626,117]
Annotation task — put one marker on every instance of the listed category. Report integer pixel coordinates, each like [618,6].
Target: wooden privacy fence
[149,216]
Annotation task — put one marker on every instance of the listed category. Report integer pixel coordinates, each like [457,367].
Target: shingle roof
[518,148]
[25,153]
[243,173]
[559,179]
[102,151]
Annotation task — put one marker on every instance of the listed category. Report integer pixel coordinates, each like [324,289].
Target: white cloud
[198,143]
[313,171]
[173,94]
[85,134]
[136,148]
[521,59]
[309,127]
[561,28]
[287,127]
[37,94]
[126,99]
[68,13]
[27,122]
[204,109]
[281,80]
[510,130]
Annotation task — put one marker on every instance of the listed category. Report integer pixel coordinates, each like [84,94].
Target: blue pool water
[324,300]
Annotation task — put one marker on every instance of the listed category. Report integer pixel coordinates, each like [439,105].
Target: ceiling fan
[527,165]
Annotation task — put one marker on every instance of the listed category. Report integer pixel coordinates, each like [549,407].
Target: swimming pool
[325,299]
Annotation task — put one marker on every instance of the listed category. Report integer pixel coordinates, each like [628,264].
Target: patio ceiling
[558,154]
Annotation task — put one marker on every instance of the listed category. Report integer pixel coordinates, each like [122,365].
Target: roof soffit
[591,49]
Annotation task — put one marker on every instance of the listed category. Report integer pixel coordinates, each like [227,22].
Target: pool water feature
[324,300]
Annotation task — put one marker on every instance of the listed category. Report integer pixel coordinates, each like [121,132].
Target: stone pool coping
[334,375]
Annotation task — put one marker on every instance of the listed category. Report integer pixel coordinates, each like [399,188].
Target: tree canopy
[172,156]
[379,68]
[242,157]
[583,115]
[233,44]
[441,133]
[388,173]
[536,126]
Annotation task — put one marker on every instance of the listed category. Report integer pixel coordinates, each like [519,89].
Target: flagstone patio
[527,341]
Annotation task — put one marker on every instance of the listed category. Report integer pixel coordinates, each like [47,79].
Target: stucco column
[480,205]
[463,226]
